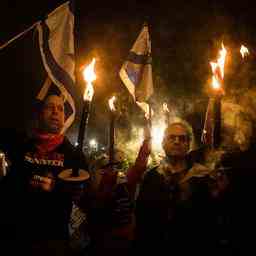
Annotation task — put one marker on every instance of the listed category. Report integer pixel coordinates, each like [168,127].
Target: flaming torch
[89,76]
[77,177]
[112,130]
[217,85]
[76,174]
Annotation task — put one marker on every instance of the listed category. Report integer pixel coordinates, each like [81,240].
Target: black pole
[81,132]
[217,122]
[83,124]
[112,138]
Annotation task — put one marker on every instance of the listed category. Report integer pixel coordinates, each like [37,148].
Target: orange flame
[215,83]
[218,69]
[89,77]
[111,103]
[244,51]
[165,107]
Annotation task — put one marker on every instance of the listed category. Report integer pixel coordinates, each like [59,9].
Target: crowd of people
[180,206]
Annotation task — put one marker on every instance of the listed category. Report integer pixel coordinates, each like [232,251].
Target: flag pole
[18,36]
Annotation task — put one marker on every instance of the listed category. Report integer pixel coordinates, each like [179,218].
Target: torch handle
[81,133]
[83,124]
[217,122]
[111,138]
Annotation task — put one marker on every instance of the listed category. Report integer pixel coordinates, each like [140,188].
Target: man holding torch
[173,209]
[40,200]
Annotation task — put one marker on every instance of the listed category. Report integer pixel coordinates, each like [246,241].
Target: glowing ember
[244,51]
[89,77]
[111,103]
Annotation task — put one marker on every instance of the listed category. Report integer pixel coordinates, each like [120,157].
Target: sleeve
[219,184]
[136,172]
[150,217]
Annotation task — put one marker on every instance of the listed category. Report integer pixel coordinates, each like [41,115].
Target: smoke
[130,140]
[238,118]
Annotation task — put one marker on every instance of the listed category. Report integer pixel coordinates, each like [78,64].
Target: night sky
[185,36]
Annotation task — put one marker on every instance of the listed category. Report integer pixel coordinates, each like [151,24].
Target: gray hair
[188,128]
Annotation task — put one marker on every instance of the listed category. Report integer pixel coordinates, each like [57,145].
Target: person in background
[109,204]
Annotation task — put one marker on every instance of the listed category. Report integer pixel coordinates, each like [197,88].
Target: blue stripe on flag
[61,75]
[133,74]
[139,59]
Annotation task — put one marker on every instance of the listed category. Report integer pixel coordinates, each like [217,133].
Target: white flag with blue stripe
[56,41]
[136,72]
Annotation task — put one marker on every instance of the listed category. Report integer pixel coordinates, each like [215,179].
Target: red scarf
[47,142]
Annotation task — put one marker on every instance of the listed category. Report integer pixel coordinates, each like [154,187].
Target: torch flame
[215,83]
[244,51]
[221,60]
[111,103]
[218,68]
[88,72]
[89,77]
[158,135]
[165,107]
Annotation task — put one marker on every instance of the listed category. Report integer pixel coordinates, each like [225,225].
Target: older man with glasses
[173,209]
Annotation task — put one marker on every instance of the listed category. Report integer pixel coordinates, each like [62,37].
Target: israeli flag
[136,72]
[56,42]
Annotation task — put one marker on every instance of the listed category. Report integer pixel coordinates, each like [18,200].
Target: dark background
[185,36]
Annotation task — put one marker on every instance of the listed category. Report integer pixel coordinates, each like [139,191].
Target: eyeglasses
[182,138]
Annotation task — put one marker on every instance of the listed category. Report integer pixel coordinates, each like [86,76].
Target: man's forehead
[54,99]
[176,129]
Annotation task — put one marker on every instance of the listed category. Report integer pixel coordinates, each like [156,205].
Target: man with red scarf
[40,205]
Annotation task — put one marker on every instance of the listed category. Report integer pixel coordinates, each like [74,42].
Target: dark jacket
[241,173]
[173,215]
